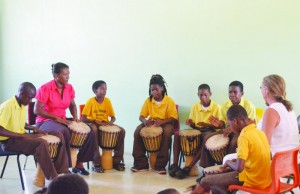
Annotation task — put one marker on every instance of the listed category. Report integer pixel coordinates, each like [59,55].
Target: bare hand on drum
[215,122]
[38,131]
[63,121]
[158,122]
[148,123]
[190,123]
[227,131]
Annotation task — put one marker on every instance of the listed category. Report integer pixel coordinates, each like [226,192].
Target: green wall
[125,42]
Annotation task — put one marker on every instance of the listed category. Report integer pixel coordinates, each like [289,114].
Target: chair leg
[171,145]
[20,171]
[4,166]
[25,163]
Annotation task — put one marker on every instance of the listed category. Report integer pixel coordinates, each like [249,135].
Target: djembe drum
[189,143]
[79,134]
[53,143]
[152,137]
[217,147]
[215,170]
[108,139]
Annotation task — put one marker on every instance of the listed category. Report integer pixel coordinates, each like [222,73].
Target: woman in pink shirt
[53,98]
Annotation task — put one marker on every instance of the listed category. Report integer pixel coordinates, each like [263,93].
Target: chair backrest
[259,114]
[81,107]
[31,116]
[283,164]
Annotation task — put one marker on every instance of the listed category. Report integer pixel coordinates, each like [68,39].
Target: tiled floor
[111,181]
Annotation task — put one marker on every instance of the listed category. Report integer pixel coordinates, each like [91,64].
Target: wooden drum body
[53,142]
[79,134]
[152,137]
[108,139]
[217,147]
[189,143]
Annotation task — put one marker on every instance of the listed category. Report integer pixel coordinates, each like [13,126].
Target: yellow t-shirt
[96,111]
[198,114]
[163,110]
[254,148]
[12,116]
[249,107]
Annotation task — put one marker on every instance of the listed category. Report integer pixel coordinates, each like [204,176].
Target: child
[159,109]
[235,94]
[97,112]
[252,167]
[198,119]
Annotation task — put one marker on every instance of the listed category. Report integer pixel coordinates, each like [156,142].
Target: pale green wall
[125,42]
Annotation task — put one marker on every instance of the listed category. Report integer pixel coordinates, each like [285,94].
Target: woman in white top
[279,121]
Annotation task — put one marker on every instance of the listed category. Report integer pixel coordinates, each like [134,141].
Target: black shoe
[173,170]
[81,171]
[183,173]
[161,170]
[98,169]
[139,169]
[119,167]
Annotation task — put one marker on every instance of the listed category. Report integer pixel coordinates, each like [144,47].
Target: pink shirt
[54,103]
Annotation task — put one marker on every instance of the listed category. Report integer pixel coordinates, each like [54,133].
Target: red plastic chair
[283,164]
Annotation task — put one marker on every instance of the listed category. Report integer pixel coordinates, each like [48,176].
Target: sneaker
[81,171]
[98,169]
[161,171]
[139,169]
[173,170]
[119,167]
[183,173]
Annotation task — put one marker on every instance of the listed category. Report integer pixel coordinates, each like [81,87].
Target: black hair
[68,184]
[57,67]
[26,87]
[157,79]
[237,84]
[168,191]
[236,112]
[204,87]
[97,84]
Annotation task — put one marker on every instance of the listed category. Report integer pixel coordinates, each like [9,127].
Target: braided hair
[157,79]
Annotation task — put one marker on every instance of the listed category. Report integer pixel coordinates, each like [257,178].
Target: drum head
[189,132]
[50,138]
[151,131]
[217,142]
[79,127]
[109,128]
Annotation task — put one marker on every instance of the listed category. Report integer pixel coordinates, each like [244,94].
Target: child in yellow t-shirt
[199,119]
[97,112]
[158,110]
